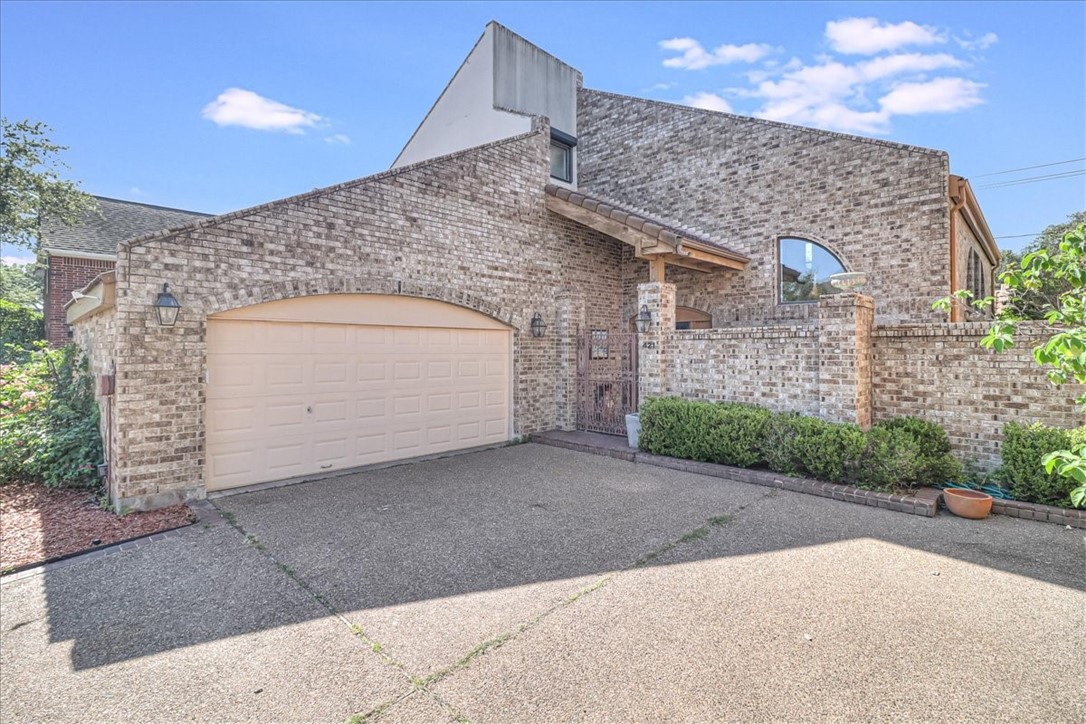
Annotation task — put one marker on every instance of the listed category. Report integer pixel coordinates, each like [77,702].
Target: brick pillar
[844,357]
[569,321]
[653,361]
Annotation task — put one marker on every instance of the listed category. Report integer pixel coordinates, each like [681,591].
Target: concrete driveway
[535,584]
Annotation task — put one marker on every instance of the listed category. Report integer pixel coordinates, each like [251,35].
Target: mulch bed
[40,524]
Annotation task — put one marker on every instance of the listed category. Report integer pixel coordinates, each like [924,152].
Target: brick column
[653,361]
[844,357]
[569,321]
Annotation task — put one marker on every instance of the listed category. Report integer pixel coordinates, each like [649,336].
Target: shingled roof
[99,232]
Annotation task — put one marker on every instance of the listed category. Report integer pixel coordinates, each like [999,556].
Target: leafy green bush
[20,328]
[934,463]
[726,433]
[891,459]
[1024,447]
[777,447]
[826,450]
[900,453]
[49,420]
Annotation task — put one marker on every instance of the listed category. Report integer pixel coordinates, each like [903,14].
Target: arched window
[806,268]
[690,318]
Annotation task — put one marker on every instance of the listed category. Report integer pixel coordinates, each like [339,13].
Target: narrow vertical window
[562,145]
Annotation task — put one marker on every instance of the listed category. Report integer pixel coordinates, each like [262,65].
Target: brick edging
[925,502]
[1076,518]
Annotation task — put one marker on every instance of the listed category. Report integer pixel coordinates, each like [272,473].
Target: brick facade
[65,275]
[941,373]
[470,229]
[880,207]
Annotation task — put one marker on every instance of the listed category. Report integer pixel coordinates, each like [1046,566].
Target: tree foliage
[1063,353]
[21,328]
[30,183]
[21,284]
[1032,303]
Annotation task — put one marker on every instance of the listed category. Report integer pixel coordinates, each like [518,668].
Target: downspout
[959,202]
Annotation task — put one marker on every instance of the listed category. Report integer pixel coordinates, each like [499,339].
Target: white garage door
[318,384]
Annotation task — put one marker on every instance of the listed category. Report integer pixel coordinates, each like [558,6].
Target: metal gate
[606,380]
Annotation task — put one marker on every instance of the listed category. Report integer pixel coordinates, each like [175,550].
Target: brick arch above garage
[369,284]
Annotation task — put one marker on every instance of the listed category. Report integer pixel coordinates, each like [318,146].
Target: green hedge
[1024,446]
[724,433]
[901,453]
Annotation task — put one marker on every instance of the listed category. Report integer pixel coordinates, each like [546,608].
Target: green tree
[1063,354]
[21,284]
[30,184]
[1032,303]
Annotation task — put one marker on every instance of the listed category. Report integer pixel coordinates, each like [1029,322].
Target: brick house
[75,255]
[489,284]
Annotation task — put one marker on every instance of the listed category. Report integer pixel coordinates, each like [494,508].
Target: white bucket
[633,428]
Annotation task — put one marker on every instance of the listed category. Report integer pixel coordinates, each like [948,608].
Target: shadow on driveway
[432,558]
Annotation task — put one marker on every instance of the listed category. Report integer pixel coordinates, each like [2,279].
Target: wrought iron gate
[606,380]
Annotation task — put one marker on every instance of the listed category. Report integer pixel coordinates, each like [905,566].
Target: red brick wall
[66,275]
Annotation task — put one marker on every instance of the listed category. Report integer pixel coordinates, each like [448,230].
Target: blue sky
[218,106]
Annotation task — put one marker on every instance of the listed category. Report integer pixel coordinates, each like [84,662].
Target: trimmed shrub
[827,451]
[777,446]
[20,328]
[727,433]
[891,459]
[1024,446]
[934,463]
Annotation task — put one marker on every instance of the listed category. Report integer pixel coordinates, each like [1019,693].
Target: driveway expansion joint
[356,630]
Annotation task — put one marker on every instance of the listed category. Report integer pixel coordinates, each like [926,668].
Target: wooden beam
[656,269]
[685,264]
[604,225]
[711,258]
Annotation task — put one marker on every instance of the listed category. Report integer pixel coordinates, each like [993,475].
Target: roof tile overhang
[650,238]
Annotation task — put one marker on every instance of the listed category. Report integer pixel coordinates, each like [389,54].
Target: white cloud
[13,259]
[340,138]
[696,57]
[708,101]
[868,36]
[832,91]
[982,43]
[890,65]
[942,95]
[135,191]
[239,107]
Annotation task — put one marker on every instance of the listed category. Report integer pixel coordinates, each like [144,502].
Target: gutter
[957,196]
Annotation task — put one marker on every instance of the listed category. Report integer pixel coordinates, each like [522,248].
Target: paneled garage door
[288,396]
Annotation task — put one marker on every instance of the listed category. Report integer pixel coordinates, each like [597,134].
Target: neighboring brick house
[76,254]
[486,287]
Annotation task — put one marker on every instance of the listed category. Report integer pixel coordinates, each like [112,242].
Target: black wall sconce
[644,319]
[167,307]
[539,327]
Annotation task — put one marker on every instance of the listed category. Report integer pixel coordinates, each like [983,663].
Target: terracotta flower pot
[967,503]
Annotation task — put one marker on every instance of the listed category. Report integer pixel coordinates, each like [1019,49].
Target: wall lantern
[167,307]
[644,319]
[539,327]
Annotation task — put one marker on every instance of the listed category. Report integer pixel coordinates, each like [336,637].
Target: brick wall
[939,372]
[776,367]
[64,276]
[880,207]
[96,336]
[469,229]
